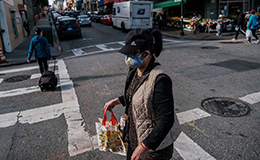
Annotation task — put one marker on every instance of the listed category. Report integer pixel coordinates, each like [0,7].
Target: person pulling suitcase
[40,46]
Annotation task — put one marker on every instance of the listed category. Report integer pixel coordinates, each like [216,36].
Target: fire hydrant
[2,57]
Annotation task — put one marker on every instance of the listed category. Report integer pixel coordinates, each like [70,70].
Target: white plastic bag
[249,33]
[108,137]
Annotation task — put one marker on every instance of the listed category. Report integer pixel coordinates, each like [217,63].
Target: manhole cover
[225,107]
[209,47]
[17,78]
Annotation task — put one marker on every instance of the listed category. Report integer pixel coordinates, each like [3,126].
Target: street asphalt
[230,70]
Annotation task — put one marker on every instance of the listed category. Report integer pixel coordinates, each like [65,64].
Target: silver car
[84,20]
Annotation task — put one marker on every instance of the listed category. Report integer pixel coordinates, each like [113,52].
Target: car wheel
[123,27]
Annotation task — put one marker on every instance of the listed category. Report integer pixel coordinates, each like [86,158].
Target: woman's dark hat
[137,40]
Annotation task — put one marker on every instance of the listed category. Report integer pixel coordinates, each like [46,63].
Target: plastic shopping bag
[248,33]
[108,137]
[218,27]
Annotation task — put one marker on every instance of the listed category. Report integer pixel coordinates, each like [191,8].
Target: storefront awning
[167,3]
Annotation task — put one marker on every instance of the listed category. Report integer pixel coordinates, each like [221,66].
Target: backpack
[256,23]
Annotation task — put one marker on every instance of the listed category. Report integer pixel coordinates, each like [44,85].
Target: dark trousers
[240,30]
[129,153]
[160,24]
[43,64]
[254,34]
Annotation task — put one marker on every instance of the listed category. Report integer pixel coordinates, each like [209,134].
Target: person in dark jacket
[40,45]
[151,123]
[240,24]
[160,21]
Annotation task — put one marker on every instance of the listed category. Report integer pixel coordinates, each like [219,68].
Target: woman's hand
[111,104]
[139,153]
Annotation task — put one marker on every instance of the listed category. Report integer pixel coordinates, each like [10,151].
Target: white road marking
[1,80]
[122,43]
[19,91]
[35,115]
[78,139]
[191,115]
[22,69]
[104,47]
[38,75]
[77,52]
[189,150]
[251,98]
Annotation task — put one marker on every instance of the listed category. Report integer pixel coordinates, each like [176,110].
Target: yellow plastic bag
[108,137]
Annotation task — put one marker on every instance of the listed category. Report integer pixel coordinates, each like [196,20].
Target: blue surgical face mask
[134,61]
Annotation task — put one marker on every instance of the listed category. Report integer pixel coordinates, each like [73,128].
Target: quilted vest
[144,115]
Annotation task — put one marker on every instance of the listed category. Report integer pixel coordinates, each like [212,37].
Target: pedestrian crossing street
[111,46]
[79,140]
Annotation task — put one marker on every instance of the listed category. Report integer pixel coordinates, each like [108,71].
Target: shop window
[14,22]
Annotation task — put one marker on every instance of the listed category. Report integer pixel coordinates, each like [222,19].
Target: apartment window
[14,22]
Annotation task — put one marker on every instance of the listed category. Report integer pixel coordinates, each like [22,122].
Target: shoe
[234,40]
[248,42]
[257,42]
[217,35]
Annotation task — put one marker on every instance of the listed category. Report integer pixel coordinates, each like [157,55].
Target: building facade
[12,32]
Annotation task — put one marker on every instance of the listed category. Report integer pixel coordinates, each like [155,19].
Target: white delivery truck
[132,15]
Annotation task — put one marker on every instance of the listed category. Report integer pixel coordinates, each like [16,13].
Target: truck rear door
[141,13]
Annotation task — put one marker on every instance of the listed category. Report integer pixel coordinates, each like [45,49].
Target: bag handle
[113,119]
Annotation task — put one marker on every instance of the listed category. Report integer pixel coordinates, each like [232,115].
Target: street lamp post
[182,33]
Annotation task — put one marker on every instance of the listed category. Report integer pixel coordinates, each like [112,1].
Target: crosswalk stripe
[189,150]
[104,47]
[21,69]
[77,52]
[251,98]
[78,138]
[19,91]
[191,115]
[38,75]
[1,80]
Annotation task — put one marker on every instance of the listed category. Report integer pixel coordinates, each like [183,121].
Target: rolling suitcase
[48,80]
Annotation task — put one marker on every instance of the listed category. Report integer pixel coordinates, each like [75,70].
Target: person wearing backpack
[253,26]
[40,45]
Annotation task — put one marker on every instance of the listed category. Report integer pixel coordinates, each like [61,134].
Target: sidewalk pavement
[20,53]
[188,35]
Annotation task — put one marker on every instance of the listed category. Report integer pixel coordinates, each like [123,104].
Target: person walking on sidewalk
[195,21]
[220,25]
[40,45]
[151,123]
[240,23]
[253,26]
[160,21]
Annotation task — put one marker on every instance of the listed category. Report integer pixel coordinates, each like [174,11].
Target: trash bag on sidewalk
[108,137]
[249,33]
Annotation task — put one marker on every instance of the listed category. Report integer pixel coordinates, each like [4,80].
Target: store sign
[22,7]
[167,3]
[11,2]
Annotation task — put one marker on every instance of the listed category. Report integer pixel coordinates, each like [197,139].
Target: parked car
[55,16]
[84,20]
[107,19]
[97,17]
[60,18]
[69,27]
[75,14]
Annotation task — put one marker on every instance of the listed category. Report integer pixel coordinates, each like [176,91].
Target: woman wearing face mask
[151,123]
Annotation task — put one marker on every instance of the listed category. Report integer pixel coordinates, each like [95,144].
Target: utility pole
[182,33]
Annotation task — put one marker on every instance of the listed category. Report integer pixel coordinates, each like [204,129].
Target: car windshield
[68,23]
[76,13]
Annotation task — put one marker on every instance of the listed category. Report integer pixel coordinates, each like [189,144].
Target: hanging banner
[167,3]
[11,2]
